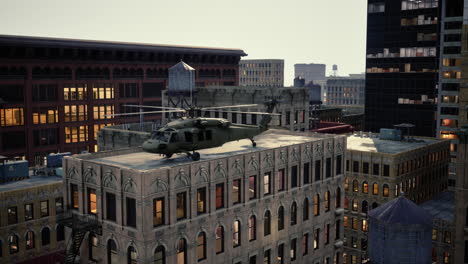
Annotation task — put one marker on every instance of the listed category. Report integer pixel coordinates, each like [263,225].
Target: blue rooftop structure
[400,233]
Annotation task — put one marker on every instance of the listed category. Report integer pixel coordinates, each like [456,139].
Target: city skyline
[258,31]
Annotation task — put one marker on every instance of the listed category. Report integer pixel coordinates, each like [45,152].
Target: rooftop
[31,182]
[375,144]
[145,161]
[95,44]
[441,207]
[401,211]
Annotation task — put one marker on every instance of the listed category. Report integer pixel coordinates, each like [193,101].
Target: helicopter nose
[148,146]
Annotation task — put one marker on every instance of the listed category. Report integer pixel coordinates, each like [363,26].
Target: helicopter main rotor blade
[143,113]
[242,112]
[228,106]
[157,107]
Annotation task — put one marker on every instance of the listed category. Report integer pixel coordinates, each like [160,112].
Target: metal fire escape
[80,225]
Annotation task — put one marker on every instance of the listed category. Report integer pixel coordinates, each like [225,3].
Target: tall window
[201,246]
[182,251]
[74,196]
[317,238]
[355,186]
[305,210]
[386,190]
[337,229]
[364,207]
[236,234]
[280,218]
[316,205]
[112,254]
[267,223]
[252,187]
[294,176]
[181,206]
[110,207]
[346,184]
[293,213]
[328,168]
[327,234]
[93,246]
[131,211]
[266,183]
[29,238]
[327,201]
[28,212]
[280,254]
[158,212]
[318,170]
[13,244]
[267,257]
[281,182]
[292,250]
[338,165]
[201,200]
[375,189]
[92,202]
[160,255]
[45,236]
[236,191]
[58,205]
[355,205]
[219,240]
[306,169]
[12,215]
[219,195]
[103,91]
[252,228]
[338,198]
[60,232]
[365,187]
[305,244]
[375,169]
[131,255]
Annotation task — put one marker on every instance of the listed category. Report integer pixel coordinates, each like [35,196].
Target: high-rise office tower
[402,64]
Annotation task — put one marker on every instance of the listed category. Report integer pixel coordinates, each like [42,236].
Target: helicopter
[188,134]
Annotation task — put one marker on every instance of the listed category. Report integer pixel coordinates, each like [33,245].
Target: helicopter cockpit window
[188,137]
[174,138]
[161,136]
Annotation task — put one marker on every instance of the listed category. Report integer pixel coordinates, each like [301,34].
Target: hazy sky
[298,31]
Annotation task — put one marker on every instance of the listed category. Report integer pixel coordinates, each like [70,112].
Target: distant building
[461,198]
[261,73]
[378,170]
[344,91]
[299,82]
[280,202]
[310,72]
[29,232]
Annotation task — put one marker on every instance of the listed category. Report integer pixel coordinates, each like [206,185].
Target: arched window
[13,244]
[293,213]
[93,246]
[131,255]
[305,210]
[160,255]
[29,240]
[252,228]
[201,246]
[316,205]
[338,198]
[45,236]
[355,186]
[60,233]
[346,203]
[327,201]
[386,190]
[267,223]
[364,207]
[346,184]
[355,205]
[365,187]
[112,256]
[375,205]
[236,233]
[219,239]
[280,218]
[182,251]
[397,190]
[375,188]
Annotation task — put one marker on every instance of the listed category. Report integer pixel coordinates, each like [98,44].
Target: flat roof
[145,161]
[96,44]
[31,182]
[375,144]
[441,207]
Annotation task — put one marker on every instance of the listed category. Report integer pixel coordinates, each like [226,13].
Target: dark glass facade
[402,65]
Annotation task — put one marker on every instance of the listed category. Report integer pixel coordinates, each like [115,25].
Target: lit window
[158,212]
[92,202]
[201,201]
[103,91]
[266,183]
[12,215]
[12,117]
[28,212]
[375,189]
[74,92]
[201,246]
[281,182]
[30,240]
[316,205]
[160,255]
[44,208]
[236,235]
[327,201]
[182,251]
[252,187]
[236,191]
[252,228]
[365,225]
[181,206]
[219,239]
[219,195]
[131,255]
[13,244]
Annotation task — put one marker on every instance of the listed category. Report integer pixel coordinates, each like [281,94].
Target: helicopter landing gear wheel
[195,156]
[168,156]
[254,144]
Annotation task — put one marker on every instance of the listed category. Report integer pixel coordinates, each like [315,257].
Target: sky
[298,31]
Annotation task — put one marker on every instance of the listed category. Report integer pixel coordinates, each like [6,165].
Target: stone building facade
[461,199]
[278,202]
[261,73]
[378,171]
[29,232]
